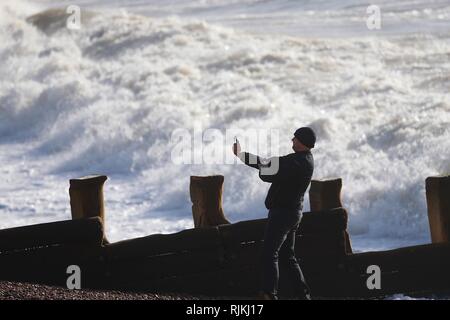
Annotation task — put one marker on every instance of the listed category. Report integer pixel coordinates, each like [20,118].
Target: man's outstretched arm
[270,170]
[249,159]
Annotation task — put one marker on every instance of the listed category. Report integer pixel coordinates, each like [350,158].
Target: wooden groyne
[41,253]
[222,259]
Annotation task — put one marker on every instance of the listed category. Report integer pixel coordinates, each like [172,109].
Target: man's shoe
[304,296]
[267,296]
[307,296]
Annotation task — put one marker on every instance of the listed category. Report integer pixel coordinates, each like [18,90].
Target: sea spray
[106,99]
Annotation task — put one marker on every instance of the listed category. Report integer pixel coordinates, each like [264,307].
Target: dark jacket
[289,182]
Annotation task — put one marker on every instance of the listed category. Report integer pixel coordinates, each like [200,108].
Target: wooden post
[206,197]
[325,195]
[86,197]
[438,202]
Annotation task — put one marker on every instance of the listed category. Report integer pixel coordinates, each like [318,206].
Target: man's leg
[287,253]
[278,227]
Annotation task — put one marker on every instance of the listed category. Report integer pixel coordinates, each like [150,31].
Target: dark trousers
[279,242]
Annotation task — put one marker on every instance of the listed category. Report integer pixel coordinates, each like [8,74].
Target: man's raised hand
[236,147]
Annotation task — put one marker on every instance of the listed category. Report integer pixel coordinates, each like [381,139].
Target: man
[289,176]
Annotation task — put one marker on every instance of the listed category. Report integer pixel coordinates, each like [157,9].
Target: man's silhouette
[289,176]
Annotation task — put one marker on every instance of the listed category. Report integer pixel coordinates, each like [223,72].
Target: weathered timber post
[326,194]
[206,197]
[86,198]
[438,202]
